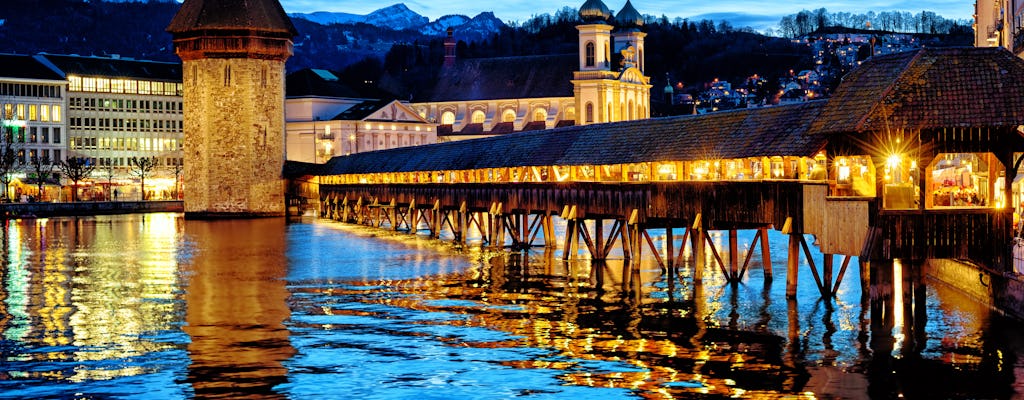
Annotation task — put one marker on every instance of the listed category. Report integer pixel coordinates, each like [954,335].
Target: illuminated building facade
[120,109]
[999,23]
[33,100]
[233,56]
[326,118]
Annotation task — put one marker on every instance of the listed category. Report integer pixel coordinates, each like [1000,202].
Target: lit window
[447,118]
[478,117]
[55,115]
[540,115]
[32,112]
[44,113]
[74,83]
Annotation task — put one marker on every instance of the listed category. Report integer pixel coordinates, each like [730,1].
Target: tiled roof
[27,67]
[362,110]
[736,134]
[116,67]
[257,15]
[504,78]
[929,88]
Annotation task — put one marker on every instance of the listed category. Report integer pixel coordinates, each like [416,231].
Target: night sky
[759,15]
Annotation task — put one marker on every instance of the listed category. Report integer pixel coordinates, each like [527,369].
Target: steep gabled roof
[772,131]
[255,15]
[504,78]
[929,88]
[380,110]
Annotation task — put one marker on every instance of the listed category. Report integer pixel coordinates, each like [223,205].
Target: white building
[32,108]
[118,109]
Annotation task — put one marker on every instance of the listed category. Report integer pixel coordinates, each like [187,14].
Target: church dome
[629,17]
[595,10]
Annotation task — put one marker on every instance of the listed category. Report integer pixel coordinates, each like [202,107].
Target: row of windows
[34,134]
[123,161]
[31,112]
[126,124]
[509,115]
[29,90]
[125,144]
[129,86]
[127,105]
[27,156]
[629,113]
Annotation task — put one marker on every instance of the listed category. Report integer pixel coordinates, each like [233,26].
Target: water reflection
[155,306]
[236,307]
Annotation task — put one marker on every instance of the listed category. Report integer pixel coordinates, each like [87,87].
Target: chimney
[449,49]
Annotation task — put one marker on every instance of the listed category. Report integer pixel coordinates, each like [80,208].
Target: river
[156,306]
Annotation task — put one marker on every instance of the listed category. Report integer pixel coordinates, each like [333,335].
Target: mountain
[440,27]
[397,17]
[327,18]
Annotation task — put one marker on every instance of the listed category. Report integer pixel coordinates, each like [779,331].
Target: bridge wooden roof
[758,132]
[929,88]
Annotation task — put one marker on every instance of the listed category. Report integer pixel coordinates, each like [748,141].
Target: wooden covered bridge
[911,159]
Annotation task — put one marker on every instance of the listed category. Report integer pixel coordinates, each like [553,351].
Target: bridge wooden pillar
[697,242]
[766,257]
[793,264]
[549,231]
[734,255]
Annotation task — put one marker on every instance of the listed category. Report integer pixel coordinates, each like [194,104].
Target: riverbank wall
[41,210]
[1003,292]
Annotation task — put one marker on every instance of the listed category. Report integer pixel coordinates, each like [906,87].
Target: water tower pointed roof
[594,11]
[629,17]
[211,15]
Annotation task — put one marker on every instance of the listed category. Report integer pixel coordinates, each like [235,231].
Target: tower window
[590,112]
[591,54]
[227,75]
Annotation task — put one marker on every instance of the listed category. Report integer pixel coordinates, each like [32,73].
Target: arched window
[447,118]
[508,115]
[540,115]
[591,54]
[569,114]
[478,117]
[590,112]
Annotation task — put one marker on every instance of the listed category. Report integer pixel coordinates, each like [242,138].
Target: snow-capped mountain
[400,17]
[396,17]
[440,27]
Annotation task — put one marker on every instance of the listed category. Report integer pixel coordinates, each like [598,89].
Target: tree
[142,167]
[9,161]
[177,170]
[75,169]
[108,172]
[43,168]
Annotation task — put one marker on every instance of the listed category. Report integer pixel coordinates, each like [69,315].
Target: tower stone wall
[234,137]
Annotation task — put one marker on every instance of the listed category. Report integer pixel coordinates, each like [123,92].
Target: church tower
[605,90]
[233,55]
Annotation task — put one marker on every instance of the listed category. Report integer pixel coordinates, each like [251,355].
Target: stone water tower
[233,55]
